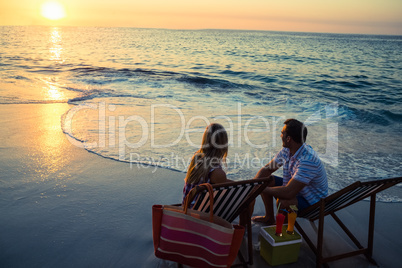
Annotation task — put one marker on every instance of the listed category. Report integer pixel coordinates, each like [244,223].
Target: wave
[113,72]
[5,100]
[216,85]
[86,96]
[19,77]
[271,89]
[81,143]
[379,117]
[396,117]
[107,75]
[342,85]
[250,76]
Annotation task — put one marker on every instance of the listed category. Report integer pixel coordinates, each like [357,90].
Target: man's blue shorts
[302,202]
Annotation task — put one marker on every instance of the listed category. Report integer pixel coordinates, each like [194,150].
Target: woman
[206,164]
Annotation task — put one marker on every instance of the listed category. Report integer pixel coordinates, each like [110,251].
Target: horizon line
[206,29]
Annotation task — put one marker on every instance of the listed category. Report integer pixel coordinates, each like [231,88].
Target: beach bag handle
[192,194]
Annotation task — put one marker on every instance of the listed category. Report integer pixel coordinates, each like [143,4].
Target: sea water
[145,96]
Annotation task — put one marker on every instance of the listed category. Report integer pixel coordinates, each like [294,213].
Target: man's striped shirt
[304,166]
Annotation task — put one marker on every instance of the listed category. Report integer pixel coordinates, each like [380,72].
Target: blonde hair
[213,152]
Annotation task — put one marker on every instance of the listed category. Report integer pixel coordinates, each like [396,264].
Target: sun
[53,10]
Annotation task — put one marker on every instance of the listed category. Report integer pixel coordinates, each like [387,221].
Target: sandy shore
[61,206]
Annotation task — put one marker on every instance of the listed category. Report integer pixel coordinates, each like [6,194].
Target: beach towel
[194,238]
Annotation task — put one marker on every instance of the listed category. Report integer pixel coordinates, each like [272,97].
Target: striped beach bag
[194,238]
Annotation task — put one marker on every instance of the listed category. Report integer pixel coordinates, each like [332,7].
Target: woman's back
[206,164]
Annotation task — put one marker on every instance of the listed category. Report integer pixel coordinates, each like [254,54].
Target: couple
[304,179]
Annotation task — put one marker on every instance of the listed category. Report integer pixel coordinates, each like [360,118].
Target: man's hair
[296,130]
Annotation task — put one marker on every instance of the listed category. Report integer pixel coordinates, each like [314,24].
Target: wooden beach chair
[337,201]
[230,200]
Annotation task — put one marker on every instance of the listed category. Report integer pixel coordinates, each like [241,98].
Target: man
[304,178]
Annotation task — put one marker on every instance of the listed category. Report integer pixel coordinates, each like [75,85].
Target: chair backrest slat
[237,200]
[219,201]
[346,199]
[348,196]
[230,198]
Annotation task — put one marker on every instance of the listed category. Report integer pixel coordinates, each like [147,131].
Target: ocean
[145,96]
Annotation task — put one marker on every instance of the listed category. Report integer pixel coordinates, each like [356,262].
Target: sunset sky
[340,16]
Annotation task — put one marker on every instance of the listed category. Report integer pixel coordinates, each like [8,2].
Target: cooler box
[277,250]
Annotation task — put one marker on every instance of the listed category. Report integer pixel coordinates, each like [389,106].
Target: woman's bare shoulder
[218,175]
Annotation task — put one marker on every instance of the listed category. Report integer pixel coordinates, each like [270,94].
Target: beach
[62,206]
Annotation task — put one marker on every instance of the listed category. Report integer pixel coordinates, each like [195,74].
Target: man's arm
[267,170]
[286,192]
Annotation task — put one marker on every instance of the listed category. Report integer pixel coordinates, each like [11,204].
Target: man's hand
[286,203]
[288,192]
[267,170]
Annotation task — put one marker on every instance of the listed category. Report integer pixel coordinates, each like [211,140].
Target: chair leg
[249,239]
[370,243]
[309,242]
[368,252]
[245,220]
[242,263]
[320,235]
[306,238]
[318,250]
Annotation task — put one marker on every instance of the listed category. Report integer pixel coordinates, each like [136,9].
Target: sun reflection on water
[56,48]
[52,88]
